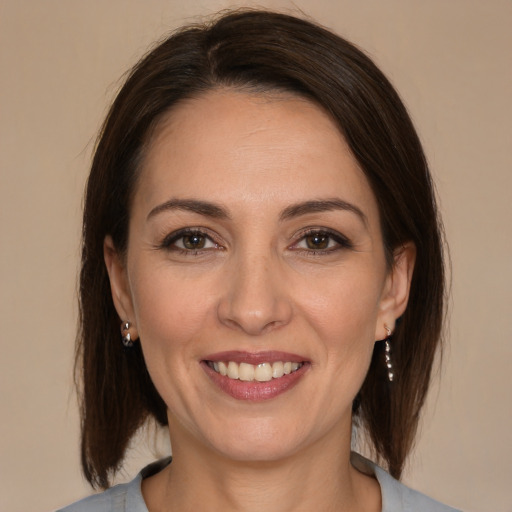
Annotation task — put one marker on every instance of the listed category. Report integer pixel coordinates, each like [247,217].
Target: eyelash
[169,242]
[342,241]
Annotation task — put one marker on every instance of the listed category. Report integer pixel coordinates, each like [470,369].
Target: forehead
[259,149]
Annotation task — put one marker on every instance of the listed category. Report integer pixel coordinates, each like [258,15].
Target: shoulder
[120,498]
[397,497]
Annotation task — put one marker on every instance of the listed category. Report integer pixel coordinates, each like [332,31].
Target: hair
[259,51]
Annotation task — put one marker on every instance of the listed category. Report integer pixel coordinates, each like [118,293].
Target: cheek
[347,303]
[170,311]
[171,317]
[343,314]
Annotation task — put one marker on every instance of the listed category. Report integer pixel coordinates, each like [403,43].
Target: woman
[258,213]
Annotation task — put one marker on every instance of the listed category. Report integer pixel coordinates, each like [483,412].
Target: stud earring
[387,354]
[126,337]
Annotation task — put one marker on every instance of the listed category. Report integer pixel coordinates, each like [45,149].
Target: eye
[317,241]
[322,241]
[194,242]
[189,240]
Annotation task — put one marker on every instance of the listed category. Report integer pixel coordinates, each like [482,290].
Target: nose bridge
[255,300]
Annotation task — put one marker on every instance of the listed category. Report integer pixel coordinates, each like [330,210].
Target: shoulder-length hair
[261,51]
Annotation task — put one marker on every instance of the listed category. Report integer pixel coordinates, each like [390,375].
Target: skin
[257,284]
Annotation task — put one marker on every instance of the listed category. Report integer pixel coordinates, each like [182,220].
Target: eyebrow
[191,205]
[215,211]
[324,205]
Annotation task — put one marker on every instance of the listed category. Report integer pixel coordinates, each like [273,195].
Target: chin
[261,450]
[257,441]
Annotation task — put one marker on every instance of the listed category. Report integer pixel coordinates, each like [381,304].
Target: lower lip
[255,391]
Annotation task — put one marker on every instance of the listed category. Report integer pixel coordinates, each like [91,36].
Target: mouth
[255,376]
[247,372]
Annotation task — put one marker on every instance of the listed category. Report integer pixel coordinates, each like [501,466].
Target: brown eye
[194,242]
[187,240]
[322,242]
[317,241]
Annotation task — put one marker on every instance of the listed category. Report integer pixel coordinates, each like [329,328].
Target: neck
[318,478]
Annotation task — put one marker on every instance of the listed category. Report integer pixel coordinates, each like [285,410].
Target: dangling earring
[126,337]
[387,352]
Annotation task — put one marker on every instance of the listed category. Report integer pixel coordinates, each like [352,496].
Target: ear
[395,294]
[119,284]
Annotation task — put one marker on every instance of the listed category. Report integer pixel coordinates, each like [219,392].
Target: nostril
[253,322]
[255,300]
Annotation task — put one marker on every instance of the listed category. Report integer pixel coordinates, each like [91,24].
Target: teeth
[246,372]
[232,370]
[223,369]
[277,370]
[262,372]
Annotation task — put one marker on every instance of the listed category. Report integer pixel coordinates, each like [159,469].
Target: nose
[255,299]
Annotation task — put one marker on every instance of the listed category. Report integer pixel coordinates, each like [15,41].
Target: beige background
[60,62]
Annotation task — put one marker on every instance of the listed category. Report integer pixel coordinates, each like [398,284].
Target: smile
[262,372]
[255,376]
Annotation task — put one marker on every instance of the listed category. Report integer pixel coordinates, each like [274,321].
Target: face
[255,275]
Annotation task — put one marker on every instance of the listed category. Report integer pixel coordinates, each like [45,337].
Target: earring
[387,352]
[126,337]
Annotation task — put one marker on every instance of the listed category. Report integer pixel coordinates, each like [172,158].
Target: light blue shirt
[396,497]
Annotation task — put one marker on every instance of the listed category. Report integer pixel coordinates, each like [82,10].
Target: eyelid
[168,242]
[170,239]
[342,241]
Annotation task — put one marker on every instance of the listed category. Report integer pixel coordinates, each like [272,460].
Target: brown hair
[264,51]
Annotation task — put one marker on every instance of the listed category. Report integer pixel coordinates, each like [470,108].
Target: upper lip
[255,358]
